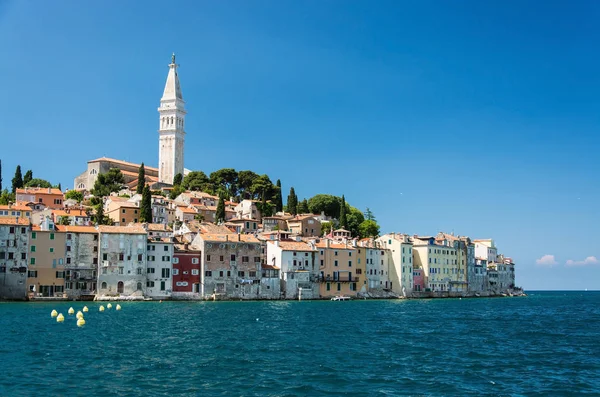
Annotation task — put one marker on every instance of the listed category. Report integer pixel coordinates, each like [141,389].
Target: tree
[369,215]
[74,195]
[195,181]
[343,217]
[220,213]
[278,197]
[292,202]
[176,191]
[368,228]
[262,186]
[65,220]
[355,218]
[326,227]
[141,182]
[27,177]
[244,184]
[37,182]
[146,205]
[99,216]
[6,197]
[177,179]
[59,187]
[225,178]
[303,207]
[17,181]
[109,182]
[326,203]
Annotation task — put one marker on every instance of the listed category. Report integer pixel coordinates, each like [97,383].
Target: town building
[231,265]
[458,274]
[159,268]
[187,274]
[247,209]
[13,211]
[122,261]
[377,264]
[121,211]
[339,273]
[401,263]
[46,272]
[297,264]
[87,179]
[41,196]
[438,262]
[14,250]
[273,223]
[171,128]
[76,217]
[305,226]
[81,260]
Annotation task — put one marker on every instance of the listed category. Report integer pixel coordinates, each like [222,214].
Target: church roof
[172,88]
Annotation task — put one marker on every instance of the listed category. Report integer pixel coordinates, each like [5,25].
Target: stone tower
[171,132]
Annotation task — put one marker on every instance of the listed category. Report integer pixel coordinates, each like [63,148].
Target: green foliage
[195,181]
[245,181]
[326,227]
[109,182]
[292,202]
[74,195]
[225,178]
[354,218]
[262,187]
[17,181]
[303,207]
[278,197]
[326,203]
[368,228]
[37,182]
[158,193]
[59,187]
[146,206]
[6,197]
[177,190]
[99,217]
[220,213]
[65,220]
[27,177]
[343,217]
[177,179]
[141,181]
[369,215]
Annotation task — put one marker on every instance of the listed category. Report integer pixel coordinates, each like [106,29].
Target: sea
[544,344]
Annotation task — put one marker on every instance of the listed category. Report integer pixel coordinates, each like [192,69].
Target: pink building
[418,280]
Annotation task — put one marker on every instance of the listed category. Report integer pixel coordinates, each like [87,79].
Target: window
[322,263]
[166,273]
[23,255]
[233,257]
[140,257]
[328,286]
[162,285]
[175,260]
[139,270]
[149,284]
[32,261]
[60,274]
[195,261]
[51,236]
[166,258]
[166,248]
[68,248]
[11,230]
[121,270]
[33,235]
[195,272]
[103,285]
[121,257]
[221,273]
[33,248]
[32,273]
[11,255]
[240,274]
[335,263]
[208,273]
[207,258]
[150,270]
[252,274]
[335,253]
[339,286]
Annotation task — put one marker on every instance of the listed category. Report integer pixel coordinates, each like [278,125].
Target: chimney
[49,190]
[239,238]
[276,243]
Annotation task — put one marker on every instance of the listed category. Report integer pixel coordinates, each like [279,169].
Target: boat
[340,298]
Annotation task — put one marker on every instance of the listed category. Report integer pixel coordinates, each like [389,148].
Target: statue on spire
[173,58]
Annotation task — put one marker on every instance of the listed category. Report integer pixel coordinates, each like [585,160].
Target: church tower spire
[171,132]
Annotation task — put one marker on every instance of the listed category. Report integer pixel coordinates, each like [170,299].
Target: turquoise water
[544,344]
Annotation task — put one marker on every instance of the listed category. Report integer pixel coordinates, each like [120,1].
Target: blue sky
[480,118]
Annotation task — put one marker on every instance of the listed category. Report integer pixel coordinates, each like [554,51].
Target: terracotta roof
[180,248]
[149,178]
[269,267]
[166,240]
[14,221]
[186,210]
[229,238]
[121,162]
[336,246]
[75,213]
[158,227]
[16,207]
[39,190]
[77,229]
[242,220]
[122,229]
[293,246]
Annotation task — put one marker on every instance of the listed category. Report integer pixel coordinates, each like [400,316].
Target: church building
[171,137]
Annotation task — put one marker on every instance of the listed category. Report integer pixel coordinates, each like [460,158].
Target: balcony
[339,279]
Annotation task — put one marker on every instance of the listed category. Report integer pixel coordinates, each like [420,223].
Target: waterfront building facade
[14,250]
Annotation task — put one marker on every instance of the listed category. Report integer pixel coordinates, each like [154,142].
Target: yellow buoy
[71,310]
[54,313]
[108,306]
[101,308]
[85,309]
[118,307]
[79,315]
[60,318]
[80,322]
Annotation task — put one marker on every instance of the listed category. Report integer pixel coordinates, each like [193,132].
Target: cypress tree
[278,198]
[17,181]
[303,207]
[100,214]
[177,179]
[343,218]
[141,179]
[59,187]
[292,202]
[27,177]
[146,206]
[220,214]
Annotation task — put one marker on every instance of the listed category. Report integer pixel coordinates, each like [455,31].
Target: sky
[478,118]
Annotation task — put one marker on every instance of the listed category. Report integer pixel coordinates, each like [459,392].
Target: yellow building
[46,273]
[122,212]
[340,272]
[15,211]
[439,263]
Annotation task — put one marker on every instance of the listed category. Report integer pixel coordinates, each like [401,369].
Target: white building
[122,261]
[172,128]
[247,209]
[377,265]
[14,247]
[159,268]
[298,268]
[401,262]
[486,250]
